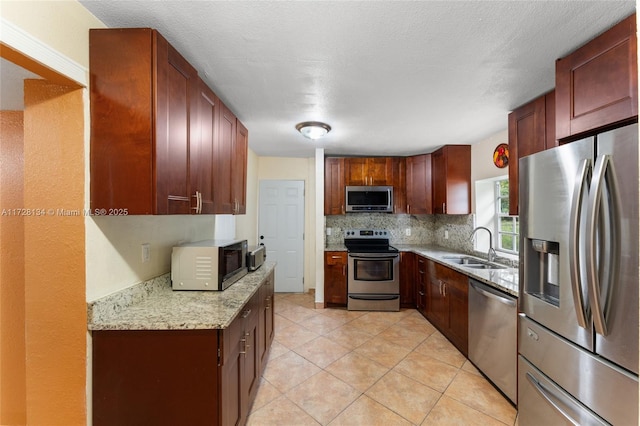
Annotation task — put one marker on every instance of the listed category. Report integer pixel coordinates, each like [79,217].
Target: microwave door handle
[388,198]
[574,238]
[602,166]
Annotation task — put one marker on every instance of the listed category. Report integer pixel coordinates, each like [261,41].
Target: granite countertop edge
[505,280]
[153,305]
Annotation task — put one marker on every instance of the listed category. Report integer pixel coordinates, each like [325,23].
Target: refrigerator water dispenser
[543,278]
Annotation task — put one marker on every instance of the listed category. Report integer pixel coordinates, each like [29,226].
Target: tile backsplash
[428,229]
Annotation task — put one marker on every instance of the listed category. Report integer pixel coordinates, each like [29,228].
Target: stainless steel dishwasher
[493,321]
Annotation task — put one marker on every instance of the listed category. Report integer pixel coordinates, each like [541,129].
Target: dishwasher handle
[491,293]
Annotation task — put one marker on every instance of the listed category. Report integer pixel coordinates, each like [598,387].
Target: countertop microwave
[369,199]
[208,264]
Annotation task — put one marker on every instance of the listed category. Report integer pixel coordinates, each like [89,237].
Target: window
[507,227]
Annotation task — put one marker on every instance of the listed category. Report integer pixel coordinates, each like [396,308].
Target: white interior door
[281,230]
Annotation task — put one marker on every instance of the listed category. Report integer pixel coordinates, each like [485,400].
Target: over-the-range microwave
[363,199]
[208,264]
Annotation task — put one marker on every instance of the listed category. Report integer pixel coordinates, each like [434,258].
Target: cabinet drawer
[335,258]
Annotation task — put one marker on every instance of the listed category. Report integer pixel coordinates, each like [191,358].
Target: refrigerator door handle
[574,236]
[603,165]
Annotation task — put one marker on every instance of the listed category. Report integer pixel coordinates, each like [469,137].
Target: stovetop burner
[368,241]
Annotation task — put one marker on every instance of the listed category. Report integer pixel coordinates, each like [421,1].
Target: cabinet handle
[421,293]
[197,207]
[244,347]
[408,208]
[199,202]
[342,208]
[246,313]
[444,209]
[444,289]
[344,270]
[336,257]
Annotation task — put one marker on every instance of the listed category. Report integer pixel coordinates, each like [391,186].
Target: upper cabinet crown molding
[597,85]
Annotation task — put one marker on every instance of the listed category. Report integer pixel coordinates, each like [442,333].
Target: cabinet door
[203,152]
[122,92]
[458,314]
[437,311]
[380,171]
[266,320]
[356,171]
[418,184]
[239,169]
[407,280]
[252,371]
[597,85]
[421,285]
[155,377]
[224,203]
[527,135]
[335,278]
[231,397]
[176,117]
[399,185]
[334,186]
[451,166]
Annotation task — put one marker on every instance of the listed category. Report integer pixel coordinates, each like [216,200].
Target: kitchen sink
[485,266]
[472,262]
[463,260]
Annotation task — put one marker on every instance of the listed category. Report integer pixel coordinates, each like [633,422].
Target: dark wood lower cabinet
[448,303]
[335,278]
[407,280]
[421,285]
[183,377]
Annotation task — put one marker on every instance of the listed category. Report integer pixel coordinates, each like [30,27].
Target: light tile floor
[339,367]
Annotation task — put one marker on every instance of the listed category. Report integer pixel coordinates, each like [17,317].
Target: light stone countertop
[505,280]
[153,305]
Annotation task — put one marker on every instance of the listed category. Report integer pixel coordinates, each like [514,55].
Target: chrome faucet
[491,254]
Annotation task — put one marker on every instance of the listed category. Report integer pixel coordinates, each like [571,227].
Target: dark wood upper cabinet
[451,176]
[143,114]
[418,184]
[597,85]
[372,171]
[227,133]
[161,141]
[203,156]
[399,185]
[531,130]
[334,185]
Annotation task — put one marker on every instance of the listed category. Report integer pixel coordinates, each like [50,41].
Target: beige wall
[247,224]
[298,169]
[482,166]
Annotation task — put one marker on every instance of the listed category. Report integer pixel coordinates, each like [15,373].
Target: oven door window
[373,269]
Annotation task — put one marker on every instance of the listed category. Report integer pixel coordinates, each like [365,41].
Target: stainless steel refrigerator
[578,304]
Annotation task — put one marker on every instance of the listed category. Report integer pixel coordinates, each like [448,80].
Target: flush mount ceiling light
[313,129]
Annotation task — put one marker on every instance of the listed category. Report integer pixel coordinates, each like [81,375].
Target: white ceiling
[390,77]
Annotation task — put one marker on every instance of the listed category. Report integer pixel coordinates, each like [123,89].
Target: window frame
[499,215]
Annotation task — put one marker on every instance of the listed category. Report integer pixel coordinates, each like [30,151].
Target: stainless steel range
[373,282]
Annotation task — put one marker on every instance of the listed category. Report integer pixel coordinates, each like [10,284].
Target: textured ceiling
[390,77]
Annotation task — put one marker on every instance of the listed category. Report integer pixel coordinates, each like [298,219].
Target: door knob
[262,237]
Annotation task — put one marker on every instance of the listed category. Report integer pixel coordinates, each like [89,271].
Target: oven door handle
[374,296]
[360,256]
